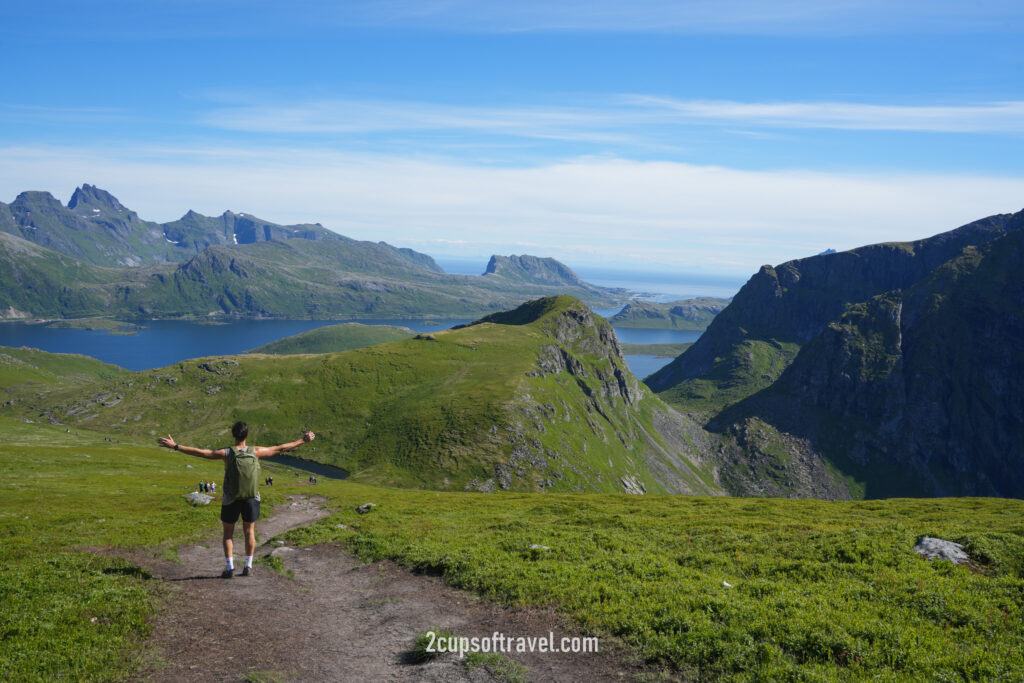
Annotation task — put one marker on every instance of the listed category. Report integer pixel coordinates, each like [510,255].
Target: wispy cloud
[583,211]
[641,122]
[367,117]
[995,117]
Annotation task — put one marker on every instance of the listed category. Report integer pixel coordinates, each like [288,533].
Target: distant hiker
[202,485]
[212,486]
[241,486]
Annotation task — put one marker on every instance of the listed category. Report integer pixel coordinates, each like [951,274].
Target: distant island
[685,314]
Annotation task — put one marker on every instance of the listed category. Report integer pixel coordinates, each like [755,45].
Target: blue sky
[697,137]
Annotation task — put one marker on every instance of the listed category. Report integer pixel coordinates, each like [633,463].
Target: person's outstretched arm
[270,451]
[169,442]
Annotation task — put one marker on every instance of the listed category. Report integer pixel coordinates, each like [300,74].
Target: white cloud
[996,117]
[636,119]
[645,215]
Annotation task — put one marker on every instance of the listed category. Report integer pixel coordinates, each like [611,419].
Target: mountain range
[96,257]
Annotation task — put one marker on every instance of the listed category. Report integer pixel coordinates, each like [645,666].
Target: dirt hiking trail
[337,619]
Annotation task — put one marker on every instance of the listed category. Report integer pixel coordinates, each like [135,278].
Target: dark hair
[240,431]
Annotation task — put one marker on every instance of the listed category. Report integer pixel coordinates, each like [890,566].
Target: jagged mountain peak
[92,197]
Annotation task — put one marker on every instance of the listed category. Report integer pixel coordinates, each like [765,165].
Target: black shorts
[249,508]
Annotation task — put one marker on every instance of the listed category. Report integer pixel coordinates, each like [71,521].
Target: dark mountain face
[913,386]
[929,381]
[779,309]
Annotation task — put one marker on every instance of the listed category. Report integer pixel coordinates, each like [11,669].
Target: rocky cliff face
[781,308]
[582,420]
[913,390]
[930,381]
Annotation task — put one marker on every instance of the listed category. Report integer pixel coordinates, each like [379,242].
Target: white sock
[248,560]
[231,563]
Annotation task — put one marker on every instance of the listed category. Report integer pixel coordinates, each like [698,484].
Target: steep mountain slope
[540,399]
[685,314]
[35,281]
[754,339]
[914,389]
[290,278]
[918,391]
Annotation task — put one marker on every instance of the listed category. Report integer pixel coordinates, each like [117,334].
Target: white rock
[196,498]
[936,548]
[537,546]
[727,584]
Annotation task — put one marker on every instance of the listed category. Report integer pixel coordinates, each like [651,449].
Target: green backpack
[241,478]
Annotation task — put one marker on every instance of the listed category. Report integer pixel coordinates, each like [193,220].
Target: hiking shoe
[227,573]
[247,571]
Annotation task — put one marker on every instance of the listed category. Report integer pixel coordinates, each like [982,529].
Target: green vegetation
[659,350]
[424,646]
[828,590]
[276,564]
[486,406]
[100,259]
[333,338]
[819,590]
[111,326]
[66,613]
[31,366]
[748,367]
[499,667]
[685,314]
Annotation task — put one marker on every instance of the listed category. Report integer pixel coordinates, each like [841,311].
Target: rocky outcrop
[583,420]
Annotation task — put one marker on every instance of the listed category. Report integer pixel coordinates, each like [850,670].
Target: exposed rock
[365,508]
[936,548]
[195,498]
[631,484]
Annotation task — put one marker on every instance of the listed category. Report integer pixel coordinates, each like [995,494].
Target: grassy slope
[331,338]
[123,494]
[819,590]
[747,367]
[433,413]
[24,365]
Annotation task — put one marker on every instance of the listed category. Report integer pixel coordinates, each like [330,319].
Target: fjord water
[163,342]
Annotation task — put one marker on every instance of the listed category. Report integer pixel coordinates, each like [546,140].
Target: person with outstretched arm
[233,503]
